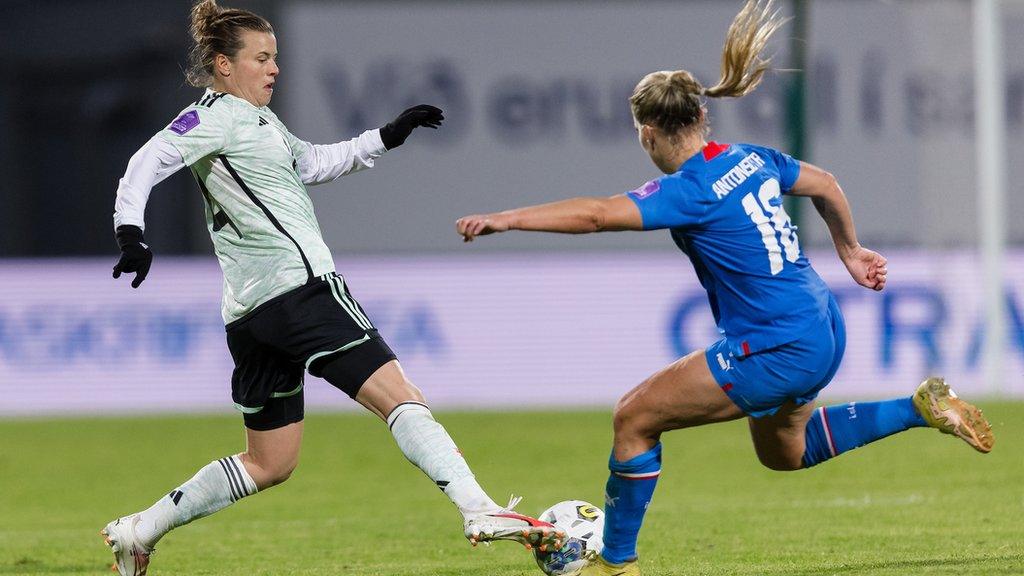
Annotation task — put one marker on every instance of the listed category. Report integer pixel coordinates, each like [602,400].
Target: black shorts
[302,329]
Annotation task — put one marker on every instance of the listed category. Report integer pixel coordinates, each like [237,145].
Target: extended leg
[268,460]
[834,430]
[682,395]
[798,437]
[801,437]
[425,442]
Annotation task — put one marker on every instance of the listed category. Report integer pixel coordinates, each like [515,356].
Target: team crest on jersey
[647,189]
[185,122]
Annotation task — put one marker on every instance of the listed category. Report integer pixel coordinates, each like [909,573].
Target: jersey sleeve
[788,167]
[664,203]
[153,163]
[298,146]
[322,163]
[200,131]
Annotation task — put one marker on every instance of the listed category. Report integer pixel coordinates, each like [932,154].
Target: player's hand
[867,267]
[470,227]
[135,254]
[394,133]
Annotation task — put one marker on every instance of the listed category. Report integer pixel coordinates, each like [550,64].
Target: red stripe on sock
[828,431]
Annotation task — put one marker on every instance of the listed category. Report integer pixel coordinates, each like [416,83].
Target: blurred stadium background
[917,106]
[882,93]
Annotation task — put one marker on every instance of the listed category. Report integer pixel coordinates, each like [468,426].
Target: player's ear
[647,135]
[222,64]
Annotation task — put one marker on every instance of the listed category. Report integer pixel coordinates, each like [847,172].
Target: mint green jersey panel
[260,218]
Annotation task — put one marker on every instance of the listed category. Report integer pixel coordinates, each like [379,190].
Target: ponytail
[673,100]
[742,64]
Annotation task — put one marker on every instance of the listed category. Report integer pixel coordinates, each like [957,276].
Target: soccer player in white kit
[286,309]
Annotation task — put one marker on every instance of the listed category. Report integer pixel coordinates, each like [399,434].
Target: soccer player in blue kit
[783,333]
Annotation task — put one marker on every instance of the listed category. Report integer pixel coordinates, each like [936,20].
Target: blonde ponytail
[673,100]
[742,64]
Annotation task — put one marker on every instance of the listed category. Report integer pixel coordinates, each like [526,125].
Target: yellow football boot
[599,567]
[940,408]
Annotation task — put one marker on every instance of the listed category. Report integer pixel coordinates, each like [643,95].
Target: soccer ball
[583,524]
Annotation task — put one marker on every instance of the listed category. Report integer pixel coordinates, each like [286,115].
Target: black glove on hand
[135,255]
[394,133]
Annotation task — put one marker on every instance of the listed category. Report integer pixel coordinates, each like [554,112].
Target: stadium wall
[536,94]
[498,331]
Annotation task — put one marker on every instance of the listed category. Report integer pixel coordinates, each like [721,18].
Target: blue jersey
[724,210]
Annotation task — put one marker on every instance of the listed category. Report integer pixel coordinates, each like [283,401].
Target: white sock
[427,445]
[216,486]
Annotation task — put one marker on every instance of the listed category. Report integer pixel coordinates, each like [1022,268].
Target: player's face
[254,70]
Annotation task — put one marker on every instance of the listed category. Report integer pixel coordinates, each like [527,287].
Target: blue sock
[627,494]
[836,429]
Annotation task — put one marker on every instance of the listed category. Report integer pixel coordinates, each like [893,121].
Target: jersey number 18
[771,219]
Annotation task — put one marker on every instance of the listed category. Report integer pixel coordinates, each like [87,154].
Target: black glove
[394,133]
[135,255]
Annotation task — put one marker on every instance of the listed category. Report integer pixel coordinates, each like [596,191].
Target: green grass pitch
[918,503]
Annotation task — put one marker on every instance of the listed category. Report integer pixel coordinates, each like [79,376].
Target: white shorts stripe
[337,296]
[352,303]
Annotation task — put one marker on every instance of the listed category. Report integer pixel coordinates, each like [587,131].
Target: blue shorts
[762,382]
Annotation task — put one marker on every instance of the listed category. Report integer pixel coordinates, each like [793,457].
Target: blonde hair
[216,30]
[672,100]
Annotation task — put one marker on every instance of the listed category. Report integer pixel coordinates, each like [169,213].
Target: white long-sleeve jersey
[251,171]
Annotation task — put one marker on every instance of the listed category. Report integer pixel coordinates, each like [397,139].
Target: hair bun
[685,81]
[203,14]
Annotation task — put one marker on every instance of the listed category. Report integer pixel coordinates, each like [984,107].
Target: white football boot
[131,557]
[507,524]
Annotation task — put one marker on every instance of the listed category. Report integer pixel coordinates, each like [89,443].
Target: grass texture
[917,503]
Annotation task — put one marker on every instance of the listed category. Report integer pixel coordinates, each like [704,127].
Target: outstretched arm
[320,163]
[868,268]
[573,216]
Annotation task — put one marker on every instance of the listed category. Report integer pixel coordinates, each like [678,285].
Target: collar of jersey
[698,159]
[236,98]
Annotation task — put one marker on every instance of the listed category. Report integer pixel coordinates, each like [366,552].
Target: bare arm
[573,216]
[831,204]
[867,267]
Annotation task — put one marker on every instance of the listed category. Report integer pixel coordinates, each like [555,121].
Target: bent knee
[283,474]
[627,420]
[781,462]
[272,473]
[622,416]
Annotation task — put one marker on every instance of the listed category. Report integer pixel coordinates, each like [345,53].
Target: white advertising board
[498,331]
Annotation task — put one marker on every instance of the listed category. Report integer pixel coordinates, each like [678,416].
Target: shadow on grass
[995,565]
[28,566]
